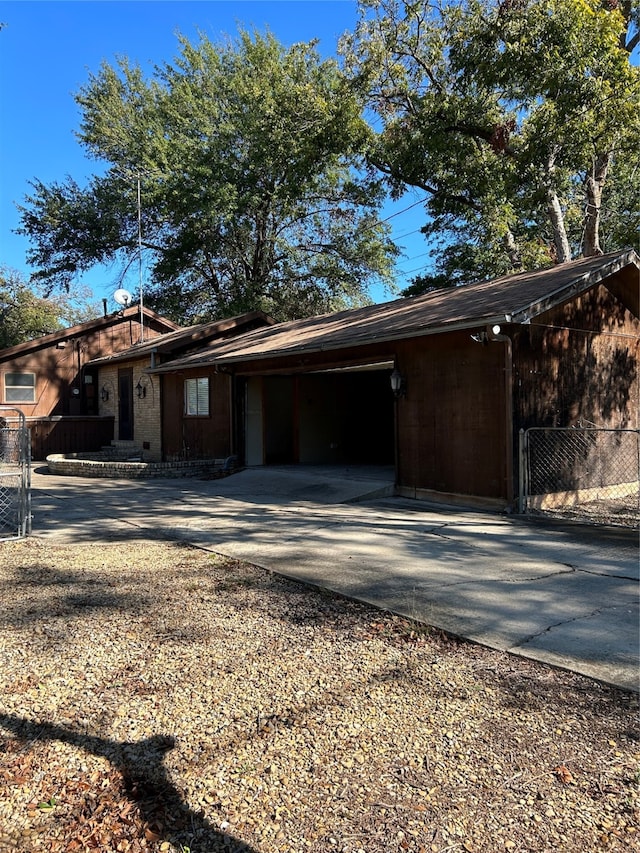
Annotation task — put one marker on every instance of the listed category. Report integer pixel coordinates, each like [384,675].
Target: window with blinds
[196,397]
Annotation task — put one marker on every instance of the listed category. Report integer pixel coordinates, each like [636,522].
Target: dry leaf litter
[156,697]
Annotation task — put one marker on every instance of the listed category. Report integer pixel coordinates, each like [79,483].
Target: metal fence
[15,475]
[582,472]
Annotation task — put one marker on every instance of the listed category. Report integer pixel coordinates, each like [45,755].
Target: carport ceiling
[357,368]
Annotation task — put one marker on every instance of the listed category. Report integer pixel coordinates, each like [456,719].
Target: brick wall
[108,383]
[147,422]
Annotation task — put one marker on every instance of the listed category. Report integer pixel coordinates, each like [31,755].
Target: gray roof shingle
[515,298]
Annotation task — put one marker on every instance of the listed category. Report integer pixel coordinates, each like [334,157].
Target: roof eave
[80,329]
[582,283]
[311,349]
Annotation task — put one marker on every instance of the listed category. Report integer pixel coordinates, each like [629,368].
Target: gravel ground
[156,697]
[617,512]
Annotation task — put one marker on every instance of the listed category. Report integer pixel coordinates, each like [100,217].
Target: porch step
[123,451]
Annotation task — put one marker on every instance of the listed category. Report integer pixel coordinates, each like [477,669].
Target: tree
[518,118]
[25,315]
[248,158]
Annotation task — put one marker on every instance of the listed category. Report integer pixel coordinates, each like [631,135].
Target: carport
[336,416]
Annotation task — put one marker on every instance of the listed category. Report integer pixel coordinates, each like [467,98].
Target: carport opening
[337,417]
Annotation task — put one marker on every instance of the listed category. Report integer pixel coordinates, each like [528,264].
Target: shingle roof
[83,328]
[187,338]
[509,299]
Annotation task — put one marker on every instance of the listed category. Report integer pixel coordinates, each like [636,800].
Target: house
[132,397]
[49,379]
[471,367]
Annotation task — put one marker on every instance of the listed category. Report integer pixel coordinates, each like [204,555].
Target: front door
[90,391]
[125,404]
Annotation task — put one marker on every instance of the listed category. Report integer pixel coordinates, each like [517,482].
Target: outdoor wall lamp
[141,390]
[486,335]
[104,394]
[398,384]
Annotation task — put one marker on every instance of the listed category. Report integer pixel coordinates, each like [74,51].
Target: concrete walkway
[563,594]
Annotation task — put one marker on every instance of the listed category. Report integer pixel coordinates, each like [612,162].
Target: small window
[20,387]
[196,397]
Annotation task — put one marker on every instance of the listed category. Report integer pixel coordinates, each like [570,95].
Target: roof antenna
[140,260]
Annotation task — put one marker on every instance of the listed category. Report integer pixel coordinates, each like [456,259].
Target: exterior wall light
[141,390]
[104,394]
[398,384]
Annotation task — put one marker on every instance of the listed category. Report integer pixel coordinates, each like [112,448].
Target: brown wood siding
[578,364]
[59,367]
[196,437]
[452,422]
[68,435]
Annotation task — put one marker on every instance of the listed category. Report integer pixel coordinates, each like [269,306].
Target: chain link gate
[582,472]
[15,475]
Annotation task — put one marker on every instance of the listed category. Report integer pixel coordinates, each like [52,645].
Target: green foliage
[620,224]
[517,118]
[249,157]
[25,315]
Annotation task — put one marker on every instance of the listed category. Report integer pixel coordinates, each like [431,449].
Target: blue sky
[48,49]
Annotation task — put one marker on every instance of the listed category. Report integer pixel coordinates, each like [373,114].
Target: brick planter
[101,465]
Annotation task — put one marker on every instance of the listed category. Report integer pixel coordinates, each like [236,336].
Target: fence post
[638,467]
[27,482]
[521,471]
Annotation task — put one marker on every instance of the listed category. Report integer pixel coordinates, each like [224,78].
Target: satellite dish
[122,297]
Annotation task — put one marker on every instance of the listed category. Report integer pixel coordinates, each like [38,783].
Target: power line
[409,272]
[404,210]
[408,234]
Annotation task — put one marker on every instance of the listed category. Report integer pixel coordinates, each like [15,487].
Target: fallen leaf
[564,774]
[150,835]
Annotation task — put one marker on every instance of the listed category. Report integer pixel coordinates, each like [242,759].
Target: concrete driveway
[564,594]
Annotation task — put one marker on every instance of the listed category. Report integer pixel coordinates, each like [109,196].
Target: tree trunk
[594,186]
[560,239]
[512,250]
